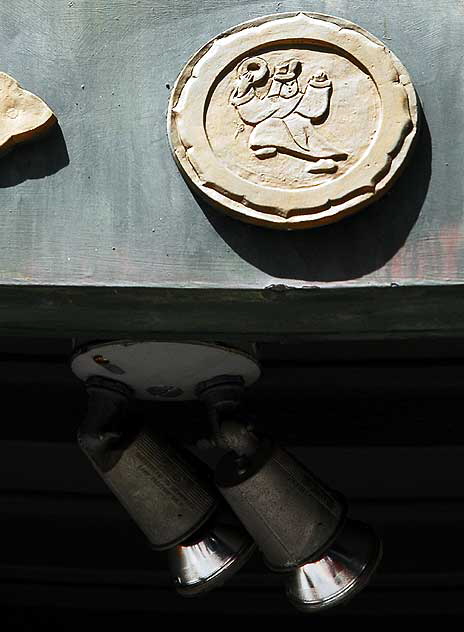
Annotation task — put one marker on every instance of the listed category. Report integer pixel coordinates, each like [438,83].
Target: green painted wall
[101,203]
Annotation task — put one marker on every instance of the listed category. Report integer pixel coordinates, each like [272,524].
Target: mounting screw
[106,364]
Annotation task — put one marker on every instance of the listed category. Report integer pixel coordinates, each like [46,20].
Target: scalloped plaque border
[285,208]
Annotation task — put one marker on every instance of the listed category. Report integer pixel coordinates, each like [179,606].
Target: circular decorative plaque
[292,120]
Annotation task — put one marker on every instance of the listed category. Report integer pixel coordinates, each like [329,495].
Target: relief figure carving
[285,119]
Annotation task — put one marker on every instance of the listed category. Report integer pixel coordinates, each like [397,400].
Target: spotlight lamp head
[300,526]
[290,514]
[166,490]
[159,485]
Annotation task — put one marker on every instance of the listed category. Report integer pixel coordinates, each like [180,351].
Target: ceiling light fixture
[299,523]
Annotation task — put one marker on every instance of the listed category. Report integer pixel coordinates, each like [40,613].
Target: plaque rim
[370,179]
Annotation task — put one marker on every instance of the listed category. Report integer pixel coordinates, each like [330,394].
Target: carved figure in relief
[284,120]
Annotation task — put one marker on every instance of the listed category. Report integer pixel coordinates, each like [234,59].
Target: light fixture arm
[223,399]
[104,433]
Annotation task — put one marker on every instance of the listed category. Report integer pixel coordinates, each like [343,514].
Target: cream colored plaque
[292,120]
[23,115]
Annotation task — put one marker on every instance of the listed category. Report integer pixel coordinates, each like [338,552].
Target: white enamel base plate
[165,371]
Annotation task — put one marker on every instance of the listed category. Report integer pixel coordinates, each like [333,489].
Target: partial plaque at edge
[23,115]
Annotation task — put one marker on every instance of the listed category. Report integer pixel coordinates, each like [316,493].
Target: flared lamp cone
[206,562]
[343,571]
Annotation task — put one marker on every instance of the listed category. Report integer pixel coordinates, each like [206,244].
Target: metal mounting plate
[164,371]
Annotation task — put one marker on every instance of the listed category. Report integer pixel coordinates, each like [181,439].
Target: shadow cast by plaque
[349,249]
[38,159]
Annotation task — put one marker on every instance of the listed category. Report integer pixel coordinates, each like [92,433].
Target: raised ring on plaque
[292,120]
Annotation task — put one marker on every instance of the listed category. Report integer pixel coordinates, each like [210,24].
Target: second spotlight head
[291,515]
[341,572]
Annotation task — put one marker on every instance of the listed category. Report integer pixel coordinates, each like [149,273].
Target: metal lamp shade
[344,570]
[207,561]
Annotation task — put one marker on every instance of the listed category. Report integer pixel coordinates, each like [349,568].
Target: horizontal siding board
[275,313]
[358,472]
